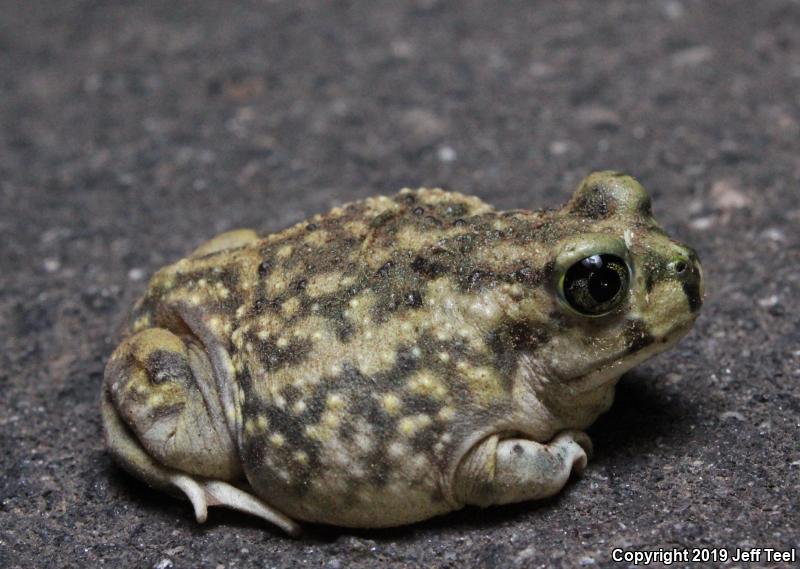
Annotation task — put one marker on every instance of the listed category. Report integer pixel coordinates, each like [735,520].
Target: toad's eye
[595,285]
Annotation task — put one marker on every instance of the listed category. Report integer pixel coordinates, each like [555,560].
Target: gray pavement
[132,131]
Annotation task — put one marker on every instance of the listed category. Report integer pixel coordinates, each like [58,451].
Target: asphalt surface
[132,131]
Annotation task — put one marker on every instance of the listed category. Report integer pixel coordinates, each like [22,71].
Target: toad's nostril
[680,267]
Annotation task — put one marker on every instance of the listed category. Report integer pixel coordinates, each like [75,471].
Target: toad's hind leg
[164,423]
[228,240]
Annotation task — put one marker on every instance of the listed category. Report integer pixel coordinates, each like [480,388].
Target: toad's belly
[357,482]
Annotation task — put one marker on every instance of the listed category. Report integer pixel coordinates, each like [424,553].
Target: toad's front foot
[514,470]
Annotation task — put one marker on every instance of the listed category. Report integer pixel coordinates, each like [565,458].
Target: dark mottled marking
[527,276]
[595,203]
[384,428]
[346,432]
[254,453]
[228,277]
[315,406]
[431,220]
[292,428]
[164,411]
[691,289]
[398,286]
[518,450]
[455,209]
[273,357]
[477,280]
[361,402]
[344,330]
[163,366]
[262,303]
[147,305]
[245,380]
[645,207]
[381,219]
[405,363]
[691,282]
[496,235]
[650,280]
[656,268]
[333,306]
[548,271]
[637,336]
[510,338]
[559,320]
[385,269]
[291,394]
[418,210]
[414,299]
[428,268]
[424,440]
[415,404]
[311,227]
[459,223]
[464,244]
[287,423]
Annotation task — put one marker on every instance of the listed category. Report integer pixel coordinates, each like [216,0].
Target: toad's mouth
[612,368]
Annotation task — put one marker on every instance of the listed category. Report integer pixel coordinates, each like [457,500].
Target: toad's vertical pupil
[604,284]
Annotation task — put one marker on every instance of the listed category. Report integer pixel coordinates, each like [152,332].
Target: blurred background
[131,131]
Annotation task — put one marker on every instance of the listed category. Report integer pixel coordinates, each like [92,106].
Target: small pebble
[599,117]
[732,415]
[703,223]
[769,301]
[773,234]
[175,550]
[401,49]
[674,10]
[727,195]
[446,154]
[136,274]
[692,56]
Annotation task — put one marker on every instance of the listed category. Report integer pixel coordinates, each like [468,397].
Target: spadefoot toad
[396,358]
